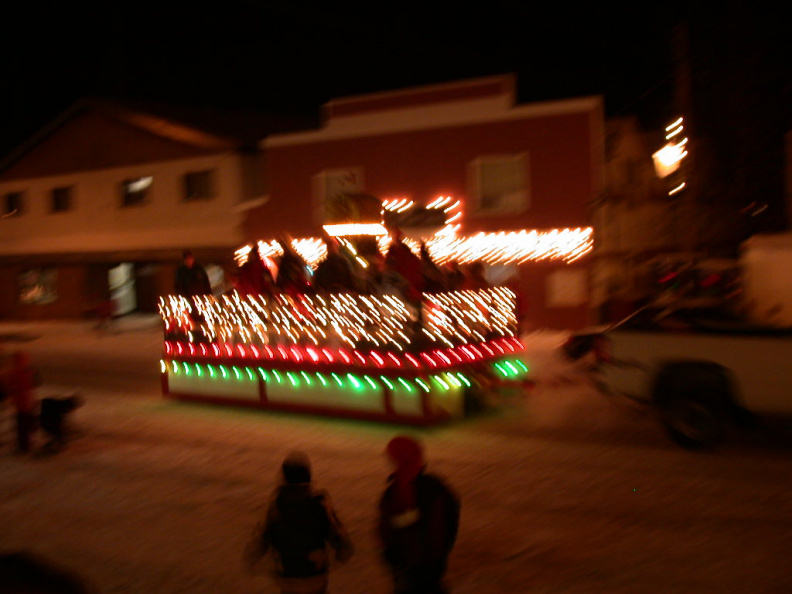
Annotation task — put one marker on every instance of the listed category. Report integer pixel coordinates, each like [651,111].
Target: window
[37,286]
[198,185]
[330,187]
[61,199]
[12,205]
[134,191]
[499,184]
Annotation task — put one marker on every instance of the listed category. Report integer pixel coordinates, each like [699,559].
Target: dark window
[13,204]
[61,199]
[198,185]
[134,191]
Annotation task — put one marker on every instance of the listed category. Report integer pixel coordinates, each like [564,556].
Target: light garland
[504,247]
[346,229]
[341,319]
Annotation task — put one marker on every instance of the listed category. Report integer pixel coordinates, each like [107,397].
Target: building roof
[199,127]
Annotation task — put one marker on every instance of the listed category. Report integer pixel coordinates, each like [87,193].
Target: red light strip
[437,358]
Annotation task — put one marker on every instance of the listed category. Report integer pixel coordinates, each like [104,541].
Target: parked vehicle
[702,370]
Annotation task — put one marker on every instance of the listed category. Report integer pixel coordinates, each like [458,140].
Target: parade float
[359,355]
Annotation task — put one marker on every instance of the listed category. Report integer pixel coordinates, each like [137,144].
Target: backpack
[299,529]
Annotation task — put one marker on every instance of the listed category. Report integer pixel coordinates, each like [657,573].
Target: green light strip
[422,384]
[406,384]
[446,381]
[439,380]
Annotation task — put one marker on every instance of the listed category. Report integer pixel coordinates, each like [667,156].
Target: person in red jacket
[402,260]
[21,385]
[418,521]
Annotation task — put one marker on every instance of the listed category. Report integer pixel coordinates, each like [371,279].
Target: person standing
[402,260]
[418,521]
[475,279]
[299,525]
[21,384]
[191,278]
[335,273]
[254,276]
[292,277]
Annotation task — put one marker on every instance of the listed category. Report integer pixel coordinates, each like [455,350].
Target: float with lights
[359,355]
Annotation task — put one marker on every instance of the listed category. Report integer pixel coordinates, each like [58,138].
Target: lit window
[61,199]
[499,184]
[37,286]
[13,203]
[134,191]
[198,185]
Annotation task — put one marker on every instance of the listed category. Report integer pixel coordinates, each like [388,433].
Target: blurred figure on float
[401,260]
[383,279]
[455,276]
[254,277]
[434,278]
[335,274]
[292,275]
[474,277]
[298,529]
[418,521]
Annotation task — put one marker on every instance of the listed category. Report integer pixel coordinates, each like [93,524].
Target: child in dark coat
[299,524]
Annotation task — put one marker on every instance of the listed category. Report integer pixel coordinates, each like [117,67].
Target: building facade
[513,168]
[100,205]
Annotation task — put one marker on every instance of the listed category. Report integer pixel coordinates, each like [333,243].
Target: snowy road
[563,491]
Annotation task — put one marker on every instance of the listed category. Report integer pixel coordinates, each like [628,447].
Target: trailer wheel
[694,398]
[691,424]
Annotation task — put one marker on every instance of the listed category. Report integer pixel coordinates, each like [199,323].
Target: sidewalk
[24,331]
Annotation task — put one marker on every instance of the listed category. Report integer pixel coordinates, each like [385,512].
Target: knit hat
[407,454]
[296,468]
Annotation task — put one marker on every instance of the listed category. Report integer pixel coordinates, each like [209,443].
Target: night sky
[294,55]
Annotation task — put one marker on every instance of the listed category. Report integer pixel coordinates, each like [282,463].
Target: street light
[669,158]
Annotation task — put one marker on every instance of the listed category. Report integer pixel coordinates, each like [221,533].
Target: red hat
[407,453]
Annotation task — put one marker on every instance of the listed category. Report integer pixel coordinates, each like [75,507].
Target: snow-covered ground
[563,490]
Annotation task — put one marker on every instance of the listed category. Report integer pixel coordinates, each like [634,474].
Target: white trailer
[700,371]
